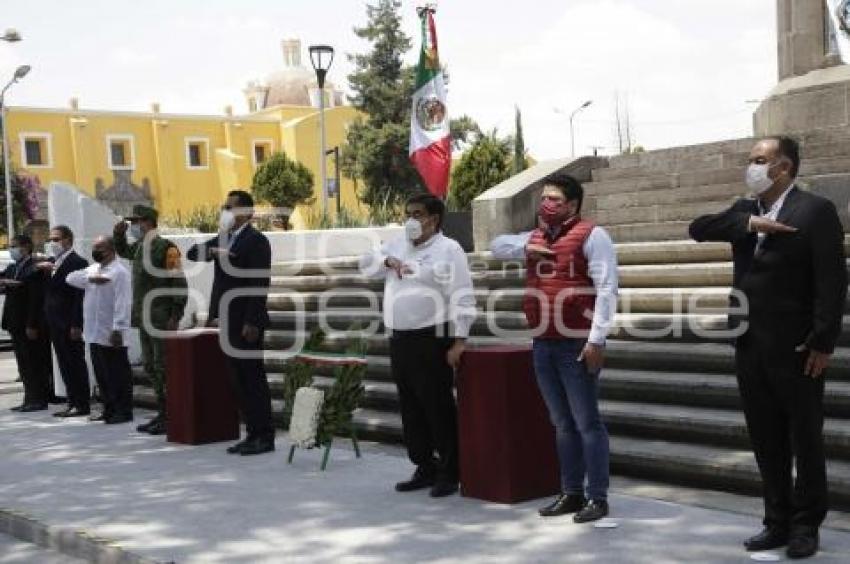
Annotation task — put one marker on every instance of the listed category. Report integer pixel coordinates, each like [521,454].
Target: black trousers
[33,358]
[71,357]
[112,373]
[252,387]
[425,384]
[784,413]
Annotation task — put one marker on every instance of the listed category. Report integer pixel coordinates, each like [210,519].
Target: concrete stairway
[669,397]
[670,400]
[652,196]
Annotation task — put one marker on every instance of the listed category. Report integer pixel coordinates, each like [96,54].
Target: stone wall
[511,206]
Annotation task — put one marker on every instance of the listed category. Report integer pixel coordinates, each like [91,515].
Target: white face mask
[413,229]
[226,221]
[16,254]
[757,178]
[136,231]
[53,249]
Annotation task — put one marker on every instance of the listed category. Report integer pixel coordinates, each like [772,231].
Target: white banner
[839,16]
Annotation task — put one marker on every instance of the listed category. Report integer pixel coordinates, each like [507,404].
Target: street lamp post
[338,188]
[572,131]
[20,72]
[321,57]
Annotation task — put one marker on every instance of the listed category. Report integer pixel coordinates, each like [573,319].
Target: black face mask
[98,255]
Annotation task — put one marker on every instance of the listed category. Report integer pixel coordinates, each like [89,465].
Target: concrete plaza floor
[169,502]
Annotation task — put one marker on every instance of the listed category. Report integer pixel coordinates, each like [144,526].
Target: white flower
[306,411]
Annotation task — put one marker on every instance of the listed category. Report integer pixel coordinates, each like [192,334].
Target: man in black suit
[242,263]
[23,318]
[63,308]
[790,284]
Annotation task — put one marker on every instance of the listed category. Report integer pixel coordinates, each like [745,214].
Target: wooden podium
[507,444]
[200,401]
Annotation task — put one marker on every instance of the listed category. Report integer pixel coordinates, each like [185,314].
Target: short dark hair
[433,205]
[244,198]
[789,148]
[569,187]
[65,231]
[23,241]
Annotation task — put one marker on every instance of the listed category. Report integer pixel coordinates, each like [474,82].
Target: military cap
[144,212]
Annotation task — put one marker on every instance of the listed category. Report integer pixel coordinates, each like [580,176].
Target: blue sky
[688,68]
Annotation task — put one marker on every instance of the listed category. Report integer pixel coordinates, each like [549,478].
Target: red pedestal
[507,444]
[201,406]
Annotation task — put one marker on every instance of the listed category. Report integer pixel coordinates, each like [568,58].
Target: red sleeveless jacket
[560,296]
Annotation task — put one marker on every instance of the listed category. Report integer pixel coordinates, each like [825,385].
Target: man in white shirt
[429,308]
[106,324]
[570,302]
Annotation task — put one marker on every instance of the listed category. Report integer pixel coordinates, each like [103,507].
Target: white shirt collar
[777,205]
[235,234]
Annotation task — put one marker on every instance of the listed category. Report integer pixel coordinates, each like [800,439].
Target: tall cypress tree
[377,146]
[519,161]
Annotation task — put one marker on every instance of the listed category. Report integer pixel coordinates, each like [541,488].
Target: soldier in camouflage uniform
[156,266]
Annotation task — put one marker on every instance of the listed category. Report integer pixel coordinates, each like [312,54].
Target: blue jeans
[572,397]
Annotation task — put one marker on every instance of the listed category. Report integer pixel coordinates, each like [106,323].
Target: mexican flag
[430,139]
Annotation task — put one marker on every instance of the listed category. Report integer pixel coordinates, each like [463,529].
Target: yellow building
[182,162]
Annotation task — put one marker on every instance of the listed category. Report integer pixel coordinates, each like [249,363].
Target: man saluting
[790,283]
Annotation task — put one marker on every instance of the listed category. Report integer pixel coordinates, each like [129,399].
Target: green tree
[282,182]
[376,151]
[463,130]
[24,190]
[486,164]
[519,163]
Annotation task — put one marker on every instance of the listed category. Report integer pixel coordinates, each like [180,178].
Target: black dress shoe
[62,413]
[422,478]
[768,539]
[158,427]
[76,412]
[257,446]
[237,448]
[593,510]
[16,408]
[145,427]
[443,488]
[118,419]
[563,505]
[33,407]
[802,545]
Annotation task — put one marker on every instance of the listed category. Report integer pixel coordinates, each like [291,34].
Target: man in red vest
[570,301]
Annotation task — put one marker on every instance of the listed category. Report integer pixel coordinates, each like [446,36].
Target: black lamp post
[321,57]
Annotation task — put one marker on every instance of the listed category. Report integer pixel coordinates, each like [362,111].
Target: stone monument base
[819,99]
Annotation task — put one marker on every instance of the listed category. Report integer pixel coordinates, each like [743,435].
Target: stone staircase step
[676,275]
[664,356]
[649,232]
[646,179]
[631,275]
[702,425]
[673,197]
[631,300]
[706,466]
[699,390]
[658,213]
[11,388]
[695,357]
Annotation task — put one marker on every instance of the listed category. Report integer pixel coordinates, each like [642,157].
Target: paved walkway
[198,504]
